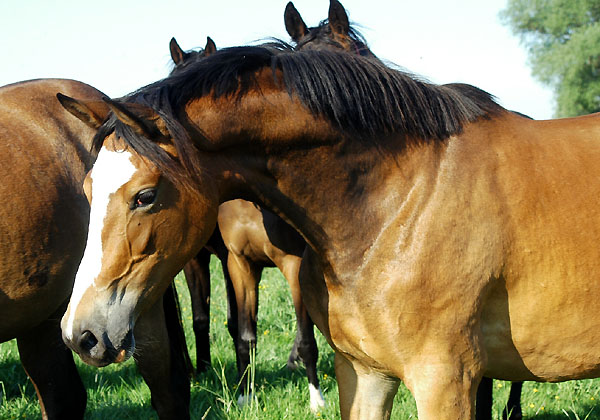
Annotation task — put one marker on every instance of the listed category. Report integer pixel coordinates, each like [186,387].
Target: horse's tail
[173,320]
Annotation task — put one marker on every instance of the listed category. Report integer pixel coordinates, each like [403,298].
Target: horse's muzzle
[100,351]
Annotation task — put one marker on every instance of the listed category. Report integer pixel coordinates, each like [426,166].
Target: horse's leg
[290,267]
[445,387]
[305,345]
[245,277]
[50,366]
[161,361]
[483,406]
[364,393]
[216,246]
[513,405]
[232,309]
[197,276]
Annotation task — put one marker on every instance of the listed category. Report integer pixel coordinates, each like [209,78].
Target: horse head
[133,206]
[182,58]
[334,32]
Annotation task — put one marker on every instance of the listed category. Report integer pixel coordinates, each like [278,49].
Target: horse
[443,229]
[46,154]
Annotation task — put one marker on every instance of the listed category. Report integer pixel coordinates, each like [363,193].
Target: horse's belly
[542,336]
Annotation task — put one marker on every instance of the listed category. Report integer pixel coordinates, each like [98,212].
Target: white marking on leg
[317,401]
[110,172]
[244,400]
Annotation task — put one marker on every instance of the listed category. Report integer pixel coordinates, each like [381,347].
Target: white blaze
[110,172]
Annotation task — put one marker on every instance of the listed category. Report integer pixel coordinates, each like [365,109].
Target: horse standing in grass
[446,234]
[46,153]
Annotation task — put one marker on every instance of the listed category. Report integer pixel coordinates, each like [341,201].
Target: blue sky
[119,46]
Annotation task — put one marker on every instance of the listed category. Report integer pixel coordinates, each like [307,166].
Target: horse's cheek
[139,235]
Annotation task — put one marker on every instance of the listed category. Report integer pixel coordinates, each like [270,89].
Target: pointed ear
[294,24]
[92,113]
[210,48]
[177,54]
[135,116]
[338,18]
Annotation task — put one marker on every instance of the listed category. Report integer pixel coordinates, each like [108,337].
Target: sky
[119,46]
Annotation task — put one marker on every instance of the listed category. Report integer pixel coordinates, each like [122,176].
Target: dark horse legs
[50,366]
[245,277]
[512,411]
[305,346]
[242,277]
[197,276]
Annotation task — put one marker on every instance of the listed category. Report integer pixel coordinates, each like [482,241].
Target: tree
[563,42]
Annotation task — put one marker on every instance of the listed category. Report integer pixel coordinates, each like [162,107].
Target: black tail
[174,324]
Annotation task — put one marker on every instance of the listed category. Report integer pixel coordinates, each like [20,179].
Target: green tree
[563,42]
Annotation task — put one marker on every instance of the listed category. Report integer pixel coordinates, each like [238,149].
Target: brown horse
[46,154]
[446,233]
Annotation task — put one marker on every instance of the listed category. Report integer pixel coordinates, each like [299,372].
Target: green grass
[118,392]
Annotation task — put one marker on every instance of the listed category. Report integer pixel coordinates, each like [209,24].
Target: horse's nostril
[87,341]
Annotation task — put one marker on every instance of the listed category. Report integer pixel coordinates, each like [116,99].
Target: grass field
[118,393]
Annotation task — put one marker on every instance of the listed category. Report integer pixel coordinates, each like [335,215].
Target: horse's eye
[144,198]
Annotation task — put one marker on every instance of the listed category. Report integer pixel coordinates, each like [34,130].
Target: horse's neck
[345,197]
[346,204]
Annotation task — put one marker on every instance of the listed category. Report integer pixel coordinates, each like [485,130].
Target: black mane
[360,95]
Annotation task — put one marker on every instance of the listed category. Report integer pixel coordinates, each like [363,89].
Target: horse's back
[32,105]
[45,154]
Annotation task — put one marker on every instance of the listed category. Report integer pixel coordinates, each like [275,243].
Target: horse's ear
[294,24]
[210,48]
[338,18]
[92,113]
[177,54]
[135,116]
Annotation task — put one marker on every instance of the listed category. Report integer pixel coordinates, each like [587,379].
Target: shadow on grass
[214,389]
[15,382]
[584,411]
[213,394]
